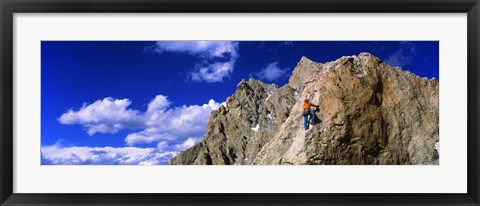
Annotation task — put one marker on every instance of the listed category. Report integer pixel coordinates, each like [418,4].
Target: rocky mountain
[369,113]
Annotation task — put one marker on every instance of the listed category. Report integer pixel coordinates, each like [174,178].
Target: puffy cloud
[190,142]
[218,57]
[403,56]
[214,72]
[58,155]
[174,124]
[160,102]
[214,105]
[272,72]
[159,123]
[105,116]
[208,49]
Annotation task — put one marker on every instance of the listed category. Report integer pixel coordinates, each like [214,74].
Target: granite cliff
[369,113]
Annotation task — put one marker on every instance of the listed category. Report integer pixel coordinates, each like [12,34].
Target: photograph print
[240,103]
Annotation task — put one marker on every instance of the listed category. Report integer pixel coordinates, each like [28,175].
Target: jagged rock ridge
[369,113]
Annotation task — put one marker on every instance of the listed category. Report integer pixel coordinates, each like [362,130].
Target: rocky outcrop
[369,113]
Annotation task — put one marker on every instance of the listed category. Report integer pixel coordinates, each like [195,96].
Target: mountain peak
[304,59]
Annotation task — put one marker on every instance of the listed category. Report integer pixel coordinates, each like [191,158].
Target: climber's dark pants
[307,113]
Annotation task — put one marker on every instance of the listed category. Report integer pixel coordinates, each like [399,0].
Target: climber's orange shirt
[307,105]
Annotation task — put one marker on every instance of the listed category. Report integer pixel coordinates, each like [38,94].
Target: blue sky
[139,102]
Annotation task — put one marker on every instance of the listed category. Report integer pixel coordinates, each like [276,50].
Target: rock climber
[308,112]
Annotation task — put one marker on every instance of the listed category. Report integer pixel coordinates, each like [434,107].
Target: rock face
[369,113]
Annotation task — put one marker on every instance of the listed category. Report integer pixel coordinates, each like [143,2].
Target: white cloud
[214,72]
[272,72]
[160,102]
[208,49]
[105,116]
[403,56]
[159,123]
[190,142]
[175,124]
[218,57]
[214,105]
[59,155]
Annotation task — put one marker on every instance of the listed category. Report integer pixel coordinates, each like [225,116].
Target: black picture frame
[10,7]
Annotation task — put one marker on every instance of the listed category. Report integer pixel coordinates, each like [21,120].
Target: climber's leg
[305,119]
